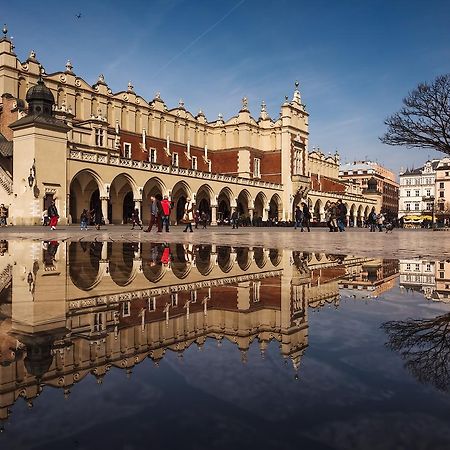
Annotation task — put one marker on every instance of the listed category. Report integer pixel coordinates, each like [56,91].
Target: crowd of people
[336,218]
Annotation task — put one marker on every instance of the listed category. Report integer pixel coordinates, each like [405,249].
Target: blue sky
[355,60]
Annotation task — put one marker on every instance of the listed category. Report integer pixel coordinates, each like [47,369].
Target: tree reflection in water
[425,346]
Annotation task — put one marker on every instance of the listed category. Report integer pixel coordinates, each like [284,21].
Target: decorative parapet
[99,158]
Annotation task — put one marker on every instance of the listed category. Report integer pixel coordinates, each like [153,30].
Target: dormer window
[127,150]
[99,137]
[175,159]
[194,162]
[152,155]
[256,167]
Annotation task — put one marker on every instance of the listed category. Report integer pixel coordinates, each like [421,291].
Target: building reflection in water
[70,310]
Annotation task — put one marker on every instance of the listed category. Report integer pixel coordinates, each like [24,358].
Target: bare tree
[424,120]
[425,346]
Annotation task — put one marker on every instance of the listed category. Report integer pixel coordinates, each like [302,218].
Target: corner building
[99,149]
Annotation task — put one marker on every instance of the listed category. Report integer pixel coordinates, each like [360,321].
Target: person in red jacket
[166,207]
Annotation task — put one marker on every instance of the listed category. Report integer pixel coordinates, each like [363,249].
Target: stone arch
[224,260]
[181,260]
[366,212]
[203,260]
[86,189]
[180,192]
[352,214]
[260,206]
[152,266]
[243,258]
[121,267]
[84,264]
[243,203]
[318,210]
[204,198]
[275,256]
[275,207]
[122,193]
[259,256]
[225,200]
[153,186]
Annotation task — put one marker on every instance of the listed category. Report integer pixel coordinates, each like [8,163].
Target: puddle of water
[114,343]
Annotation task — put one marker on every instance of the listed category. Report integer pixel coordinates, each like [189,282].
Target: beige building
[75,310]
[87,147]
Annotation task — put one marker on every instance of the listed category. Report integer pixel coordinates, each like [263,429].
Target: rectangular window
[417,267]
[126,309]
[256,290]
[408,266]
[209,166]
[127,150]
[194,162]
[428,267]
[417,193]
[428,192]
[174,299]
[152,155]
[257,167]
[99,137]
[175,159]
[408,193]
[441,275]
[441,185]
[441,194]
[442,266]
[193,296]
[447,174]
[152,304]
[416,206]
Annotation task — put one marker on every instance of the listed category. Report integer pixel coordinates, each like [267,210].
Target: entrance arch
[275,207]
[121,201]
[204,198]
[154,186]
[84,193]
[260,206]
[224,201]
[180,193]
[244,201]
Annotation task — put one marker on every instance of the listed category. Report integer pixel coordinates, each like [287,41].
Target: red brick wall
[224,161]
[139,154]
[271,166]
[7,117]
[326,184]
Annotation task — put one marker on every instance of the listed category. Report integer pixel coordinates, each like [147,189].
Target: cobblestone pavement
[398,244]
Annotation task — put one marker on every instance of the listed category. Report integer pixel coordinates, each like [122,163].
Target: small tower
[38,138]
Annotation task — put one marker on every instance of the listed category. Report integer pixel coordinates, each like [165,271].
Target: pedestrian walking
[380,221]
[372,220]
[342,215]
[235,219]
[136,221]
[155,214]
[3,215]
[306,217]
[333,214]
[53,214]
[298,218]
[97,217]
[196,218]
[166,206]
[188,217]
[84,219]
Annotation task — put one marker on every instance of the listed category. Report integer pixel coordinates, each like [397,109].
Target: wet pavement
[400,243]
[131,344]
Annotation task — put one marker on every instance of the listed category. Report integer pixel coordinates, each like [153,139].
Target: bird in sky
[78,16]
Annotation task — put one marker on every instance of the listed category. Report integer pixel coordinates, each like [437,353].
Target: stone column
[265,214]
[104,201]
[213,215]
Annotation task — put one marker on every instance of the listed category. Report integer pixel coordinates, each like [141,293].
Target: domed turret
[40,99]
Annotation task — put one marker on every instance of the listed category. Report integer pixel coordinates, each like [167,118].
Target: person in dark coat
[53,214]
[306,216]
[155,214]
[298,218]
[342,215]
